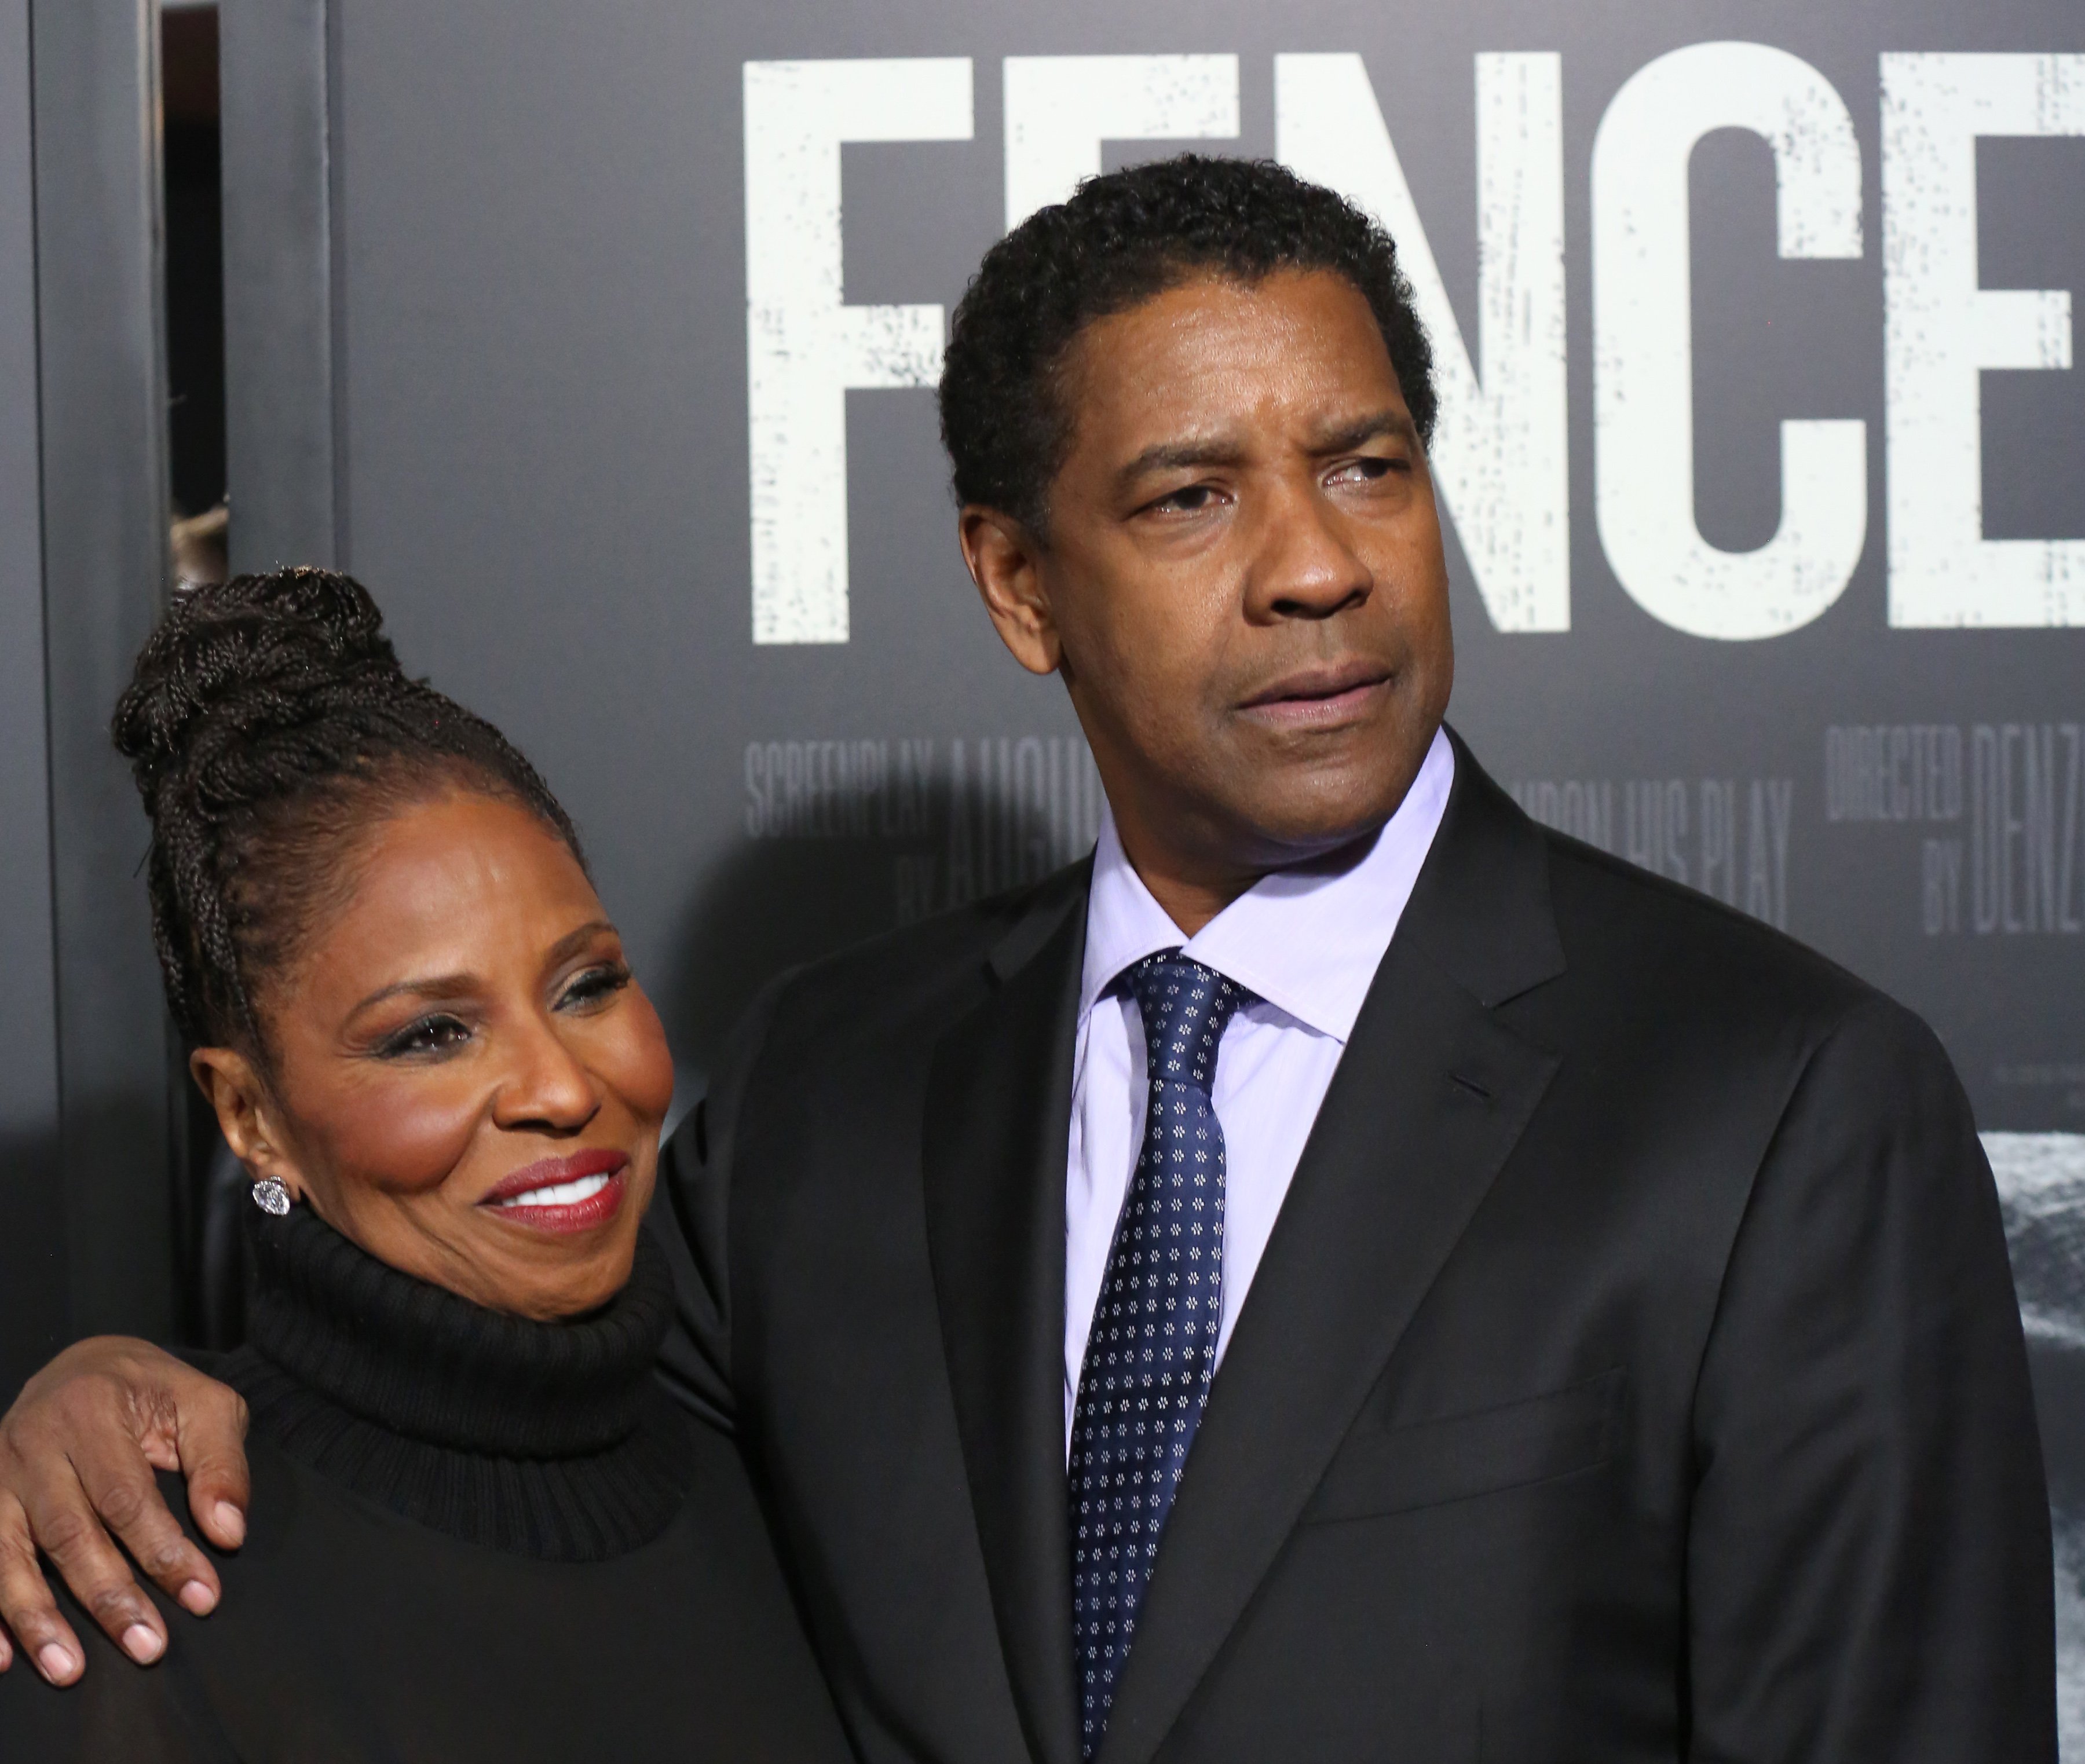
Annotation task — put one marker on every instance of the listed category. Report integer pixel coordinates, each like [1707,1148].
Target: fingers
[118,1483]
[81,1439]
[31,1614]
[209,1434]
[181,1418]
[63,1520]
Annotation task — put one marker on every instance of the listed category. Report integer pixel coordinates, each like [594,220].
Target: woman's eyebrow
[573,942]
[436,986]
[459,985]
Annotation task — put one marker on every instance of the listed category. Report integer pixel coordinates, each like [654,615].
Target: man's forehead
[1212,309]
[1200,355]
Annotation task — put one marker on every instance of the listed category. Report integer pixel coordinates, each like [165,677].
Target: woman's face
[465,1080]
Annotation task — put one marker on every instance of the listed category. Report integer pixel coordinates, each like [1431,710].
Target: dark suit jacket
[1633,1372]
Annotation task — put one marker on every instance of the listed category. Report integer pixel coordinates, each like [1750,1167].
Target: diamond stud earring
[270,1196]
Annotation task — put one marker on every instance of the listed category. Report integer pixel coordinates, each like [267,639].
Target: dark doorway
[194,290]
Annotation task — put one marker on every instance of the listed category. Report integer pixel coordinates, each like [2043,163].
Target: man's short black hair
[1119,240]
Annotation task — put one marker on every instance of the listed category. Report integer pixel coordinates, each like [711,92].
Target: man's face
[1242,581]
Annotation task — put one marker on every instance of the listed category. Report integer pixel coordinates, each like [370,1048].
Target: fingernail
[142,1644]
[232,1522]
[197,1597]
[56,1662]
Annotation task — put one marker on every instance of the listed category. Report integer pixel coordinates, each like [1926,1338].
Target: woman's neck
[408,1392]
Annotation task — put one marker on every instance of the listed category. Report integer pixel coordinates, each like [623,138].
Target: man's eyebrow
[1212,450]
[1179,455]
[1343,438]
[457,986]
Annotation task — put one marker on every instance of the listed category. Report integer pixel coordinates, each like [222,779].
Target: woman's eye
[593,986]
[428,1035]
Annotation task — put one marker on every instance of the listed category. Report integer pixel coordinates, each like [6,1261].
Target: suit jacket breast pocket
[1381,1470]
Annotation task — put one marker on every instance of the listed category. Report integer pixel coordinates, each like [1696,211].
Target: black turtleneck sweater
[472,1537]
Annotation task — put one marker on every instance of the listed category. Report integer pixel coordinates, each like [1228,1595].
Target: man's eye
[1191,500]
[593,986]
[436,1034]
[1368,469]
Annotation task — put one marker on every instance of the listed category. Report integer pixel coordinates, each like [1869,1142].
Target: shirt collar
[1307,941]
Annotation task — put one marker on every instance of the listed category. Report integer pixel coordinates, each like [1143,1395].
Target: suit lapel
[1429,1099]
[998,1106]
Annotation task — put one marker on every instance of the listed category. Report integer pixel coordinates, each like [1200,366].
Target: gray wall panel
[277,281]
[32,1210]
[104,472]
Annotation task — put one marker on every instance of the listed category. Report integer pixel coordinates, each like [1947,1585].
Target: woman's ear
[246,1114]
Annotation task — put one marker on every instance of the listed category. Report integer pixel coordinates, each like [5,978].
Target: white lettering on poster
[1942,330]
[805,349]
[1732,843]
[1501,453]
[2013,797]
[1061,108]
[1643,423]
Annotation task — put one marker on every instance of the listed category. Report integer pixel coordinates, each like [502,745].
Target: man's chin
[1314,793]
[1311,824]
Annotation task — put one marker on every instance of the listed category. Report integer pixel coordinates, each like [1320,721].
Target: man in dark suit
[1345,1273]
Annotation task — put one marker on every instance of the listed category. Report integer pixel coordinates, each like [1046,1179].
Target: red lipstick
[563,1195]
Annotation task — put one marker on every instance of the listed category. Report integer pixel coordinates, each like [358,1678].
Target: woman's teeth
[561,1193]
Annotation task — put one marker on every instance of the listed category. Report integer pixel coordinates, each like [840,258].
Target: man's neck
[1192,894]
[1188,905]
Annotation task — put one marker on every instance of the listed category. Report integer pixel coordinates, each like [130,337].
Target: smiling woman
[417,1027]
[469,1083]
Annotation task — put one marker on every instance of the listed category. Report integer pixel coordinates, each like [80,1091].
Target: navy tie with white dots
[1146,1373]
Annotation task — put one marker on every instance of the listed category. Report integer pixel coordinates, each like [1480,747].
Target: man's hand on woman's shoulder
[78,1452]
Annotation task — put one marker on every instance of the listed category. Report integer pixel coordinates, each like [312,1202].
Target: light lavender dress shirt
[1309,944]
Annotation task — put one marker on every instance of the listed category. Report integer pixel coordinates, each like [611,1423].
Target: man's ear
[1002,558]
[246,1114]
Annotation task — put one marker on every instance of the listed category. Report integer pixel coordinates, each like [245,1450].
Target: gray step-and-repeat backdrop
[1761,451]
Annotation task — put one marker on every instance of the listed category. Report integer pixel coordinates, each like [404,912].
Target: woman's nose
[545,1085]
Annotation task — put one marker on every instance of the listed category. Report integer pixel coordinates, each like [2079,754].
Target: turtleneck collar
[551,1439]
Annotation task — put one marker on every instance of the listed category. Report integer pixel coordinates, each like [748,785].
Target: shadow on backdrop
[1020,809]
[33,1315]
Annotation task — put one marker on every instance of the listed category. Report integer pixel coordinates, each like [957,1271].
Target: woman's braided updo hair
[270,727]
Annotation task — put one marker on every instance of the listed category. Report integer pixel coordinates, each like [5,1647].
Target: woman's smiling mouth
[563,1195]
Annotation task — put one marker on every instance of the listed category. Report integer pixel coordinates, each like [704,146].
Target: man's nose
[545,1085]
[1303,565]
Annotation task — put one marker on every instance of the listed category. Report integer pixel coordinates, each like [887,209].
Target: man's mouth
[1321,696]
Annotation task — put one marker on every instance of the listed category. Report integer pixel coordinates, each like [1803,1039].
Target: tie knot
[1186,1007]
